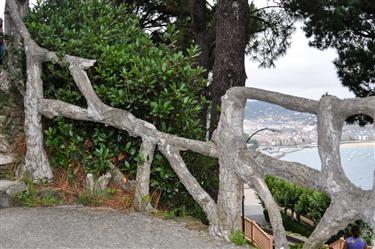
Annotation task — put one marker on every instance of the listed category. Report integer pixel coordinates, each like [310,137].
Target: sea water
[357,160]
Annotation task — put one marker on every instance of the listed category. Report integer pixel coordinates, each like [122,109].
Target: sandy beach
[358,144]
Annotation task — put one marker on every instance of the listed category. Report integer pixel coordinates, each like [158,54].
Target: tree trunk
[203,39]
[229,66]
[228,71]
[199,23]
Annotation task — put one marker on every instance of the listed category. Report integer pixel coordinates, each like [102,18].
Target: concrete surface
[253,209]
[68,227]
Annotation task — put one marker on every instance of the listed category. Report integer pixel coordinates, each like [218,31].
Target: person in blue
[2,43]
[355,241]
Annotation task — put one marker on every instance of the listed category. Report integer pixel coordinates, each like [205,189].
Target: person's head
[355,231]
[1,23]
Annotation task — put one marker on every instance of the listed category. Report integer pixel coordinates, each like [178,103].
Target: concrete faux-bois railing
[237,164]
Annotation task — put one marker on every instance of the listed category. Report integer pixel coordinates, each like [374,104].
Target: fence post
[252,231]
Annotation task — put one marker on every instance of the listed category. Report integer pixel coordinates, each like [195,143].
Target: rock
[6,159]
[12,187]
[122,180]
[4,80]
[194,224]
[102,182]
[9,189]
[4,145]
[5,200]
[97,185]
[90,182]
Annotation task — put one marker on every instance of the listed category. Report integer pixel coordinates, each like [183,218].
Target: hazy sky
[303,71]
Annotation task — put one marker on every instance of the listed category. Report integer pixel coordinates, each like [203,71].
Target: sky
[304,71]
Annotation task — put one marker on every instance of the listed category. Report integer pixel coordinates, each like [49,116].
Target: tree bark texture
[36,161]
[204,38]
[201,35]
[229,138]
[142,193]
[229,65]
[188,180]
[15,43]
[237,164]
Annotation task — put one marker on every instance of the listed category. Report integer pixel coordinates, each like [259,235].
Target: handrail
[256,235]
[338,244]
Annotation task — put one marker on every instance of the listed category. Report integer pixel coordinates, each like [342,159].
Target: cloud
[304,71]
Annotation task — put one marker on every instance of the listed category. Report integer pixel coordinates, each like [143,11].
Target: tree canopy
[349,27]
[267,35]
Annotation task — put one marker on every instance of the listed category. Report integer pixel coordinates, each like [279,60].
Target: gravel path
[92,228]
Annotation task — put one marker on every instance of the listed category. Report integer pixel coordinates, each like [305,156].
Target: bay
[357,159]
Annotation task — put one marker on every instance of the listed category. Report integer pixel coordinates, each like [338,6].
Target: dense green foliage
[309,203]
[157,83]
[302,201]
[348,26]
[269,29]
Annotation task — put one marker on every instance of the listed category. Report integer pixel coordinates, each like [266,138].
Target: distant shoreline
[344,144]
[357,143]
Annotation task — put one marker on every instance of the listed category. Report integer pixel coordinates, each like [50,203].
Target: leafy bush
[169,214]
[238,238]
[299,200]
[309,203]
[157,83]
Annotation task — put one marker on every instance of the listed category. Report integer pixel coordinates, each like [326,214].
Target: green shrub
[299,200]
[309,203]
[238,238]
[31,197]
[157,83]
[169,214]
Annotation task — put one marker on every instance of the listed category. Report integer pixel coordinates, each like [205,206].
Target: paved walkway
[92,228]
[253,209]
